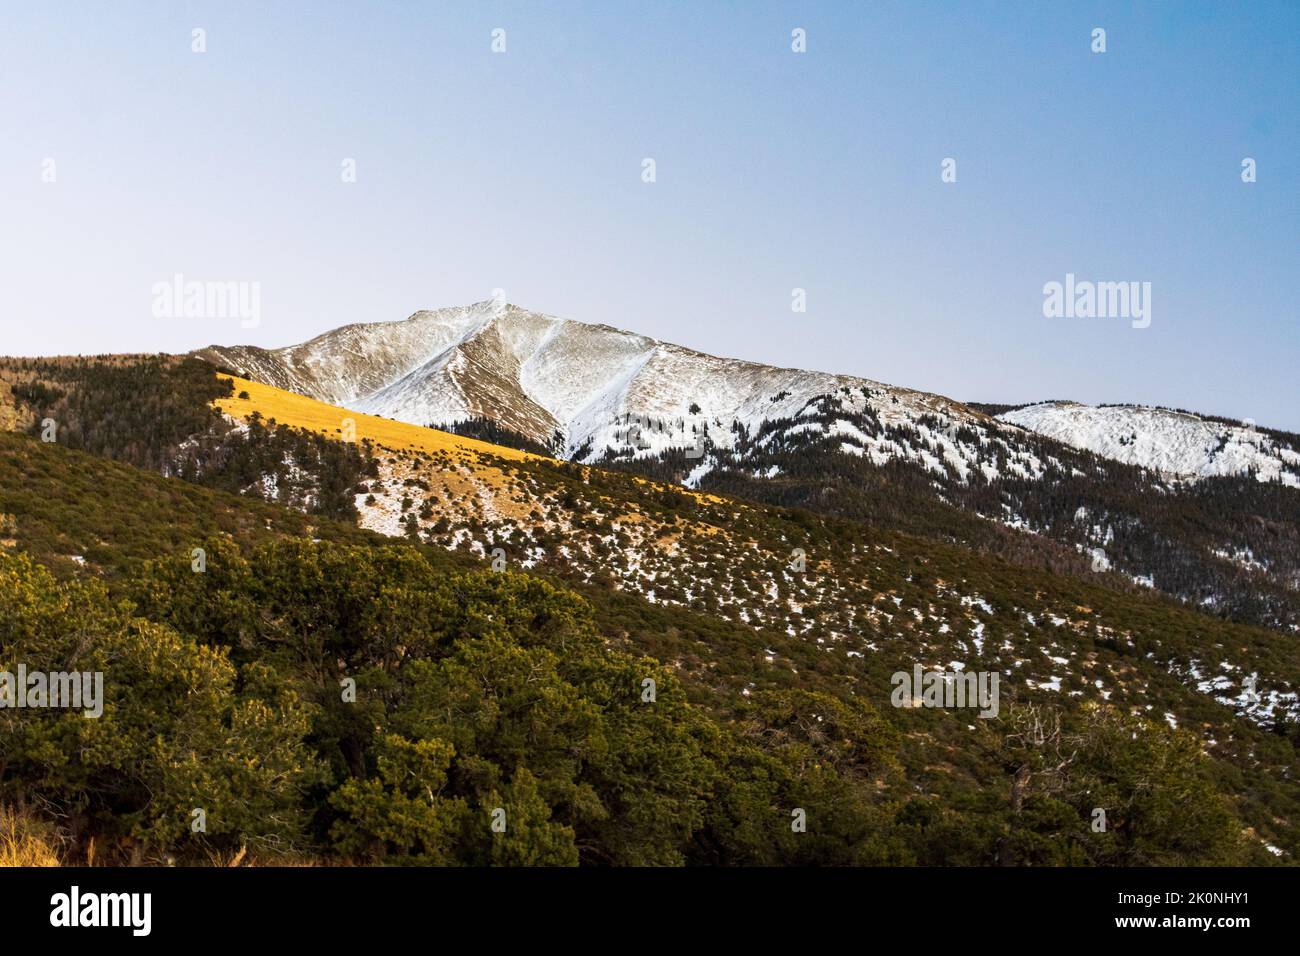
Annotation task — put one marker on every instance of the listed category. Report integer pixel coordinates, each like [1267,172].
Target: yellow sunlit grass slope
[290,408]
[299,411]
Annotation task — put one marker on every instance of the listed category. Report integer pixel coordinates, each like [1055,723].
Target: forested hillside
[499,692]
[156,412]
[326,693]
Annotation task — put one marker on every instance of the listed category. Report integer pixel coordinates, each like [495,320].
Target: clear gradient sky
[775,170]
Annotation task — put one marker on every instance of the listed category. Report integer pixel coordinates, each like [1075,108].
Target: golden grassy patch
[299,411]
[290,408]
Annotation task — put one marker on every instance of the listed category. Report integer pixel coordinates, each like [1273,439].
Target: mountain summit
[540,375]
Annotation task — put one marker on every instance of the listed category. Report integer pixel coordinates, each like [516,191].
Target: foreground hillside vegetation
[480,693]
[325,693]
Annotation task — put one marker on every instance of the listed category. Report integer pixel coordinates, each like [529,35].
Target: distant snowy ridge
[1159,439]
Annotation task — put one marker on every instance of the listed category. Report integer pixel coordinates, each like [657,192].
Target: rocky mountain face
[1204,509]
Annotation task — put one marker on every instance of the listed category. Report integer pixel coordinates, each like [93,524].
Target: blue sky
[775,170]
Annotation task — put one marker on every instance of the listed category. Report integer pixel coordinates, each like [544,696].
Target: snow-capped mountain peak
[588,390]
[538,375]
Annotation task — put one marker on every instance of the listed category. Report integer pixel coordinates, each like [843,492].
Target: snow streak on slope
[1175,443]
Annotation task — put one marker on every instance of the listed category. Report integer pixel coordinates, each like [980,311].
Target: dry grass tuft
[24,842]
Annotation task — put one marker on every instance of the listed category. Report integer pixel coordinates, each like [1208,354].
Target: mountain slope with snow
[1165,498]
[593,390]
[597,388]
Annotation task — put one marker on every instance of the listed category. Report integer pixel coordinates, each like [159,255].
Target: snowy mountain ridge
[591,389]
[538,374]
